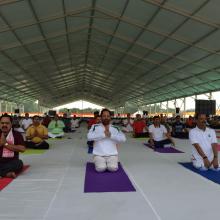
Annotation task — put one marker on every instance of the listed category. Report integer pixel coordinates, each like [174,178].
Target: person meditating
[11,143]
[128,124]
[179,129]
[139,127]
[36,135]
[204,145]
[106,138]
[159,137]
[55,128]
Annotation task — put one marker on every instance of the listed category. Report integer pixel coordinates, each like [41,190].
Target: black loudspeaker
[207,107]
[177,110]
[17,111]
[145,112]
[52,113]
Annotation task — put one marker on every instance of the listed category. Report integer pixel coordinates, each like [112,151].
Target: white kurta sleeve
[214,139]
[118,136]
[95,134]
[193,137]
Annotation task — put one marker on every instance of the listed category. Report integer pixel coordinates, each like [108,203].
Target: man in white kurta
[128,124]
[204,145]
[106,138]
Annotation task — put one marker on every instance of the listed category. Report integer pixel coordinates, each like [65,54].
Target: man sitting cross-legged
[159,137]
[11,143]
[36,135]
[204,145]
[128,124]
[140,127]
[106,138]
[179,129]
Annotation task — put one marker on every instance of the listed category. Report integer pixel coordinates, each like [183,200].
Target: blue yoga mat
[212,175]
[107,181]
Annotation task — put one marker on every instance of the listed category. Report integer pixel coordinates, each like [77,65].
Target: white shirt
[128,126]
[26,123]
[158,133]
[75,123]
[105,146]
[204,139]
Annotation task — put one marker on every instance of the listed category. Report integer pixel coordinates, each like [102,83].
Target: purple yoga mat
[106,181]
[165,149]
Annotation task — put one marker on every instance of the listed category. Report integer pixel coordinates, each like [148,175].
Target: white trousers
[199,164]
[103,163]
[55,135]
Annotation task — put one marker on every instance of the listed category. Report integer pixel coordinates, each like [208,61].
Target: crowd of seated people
[175,126]
[159,128]
[36,130]
[214,122]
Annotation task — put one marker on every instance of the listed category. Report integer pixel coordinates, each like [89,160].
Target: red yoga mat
[4,181]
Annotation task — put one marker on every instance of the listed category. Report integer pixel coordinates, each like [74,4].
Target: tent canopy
[108,52]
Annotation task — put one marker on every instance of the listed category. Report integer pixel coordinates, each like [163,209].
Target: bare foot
[11,175]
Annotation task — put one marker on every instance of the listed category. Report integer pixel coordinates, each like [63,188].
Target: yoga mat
[212,175]
[106,181]
[4,181]
[165,149]
[148,145]
[33,151]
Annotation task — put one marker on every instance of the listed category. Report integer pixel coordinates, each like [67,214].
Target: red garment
[139,126]
[91,122]
[190,122]
[46,121]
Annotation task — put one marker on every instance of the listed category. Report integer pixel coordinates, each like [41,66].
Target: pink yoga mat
[4,181]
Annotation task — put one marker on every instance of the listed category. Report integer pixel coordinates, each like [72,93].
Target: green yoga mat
[34,151]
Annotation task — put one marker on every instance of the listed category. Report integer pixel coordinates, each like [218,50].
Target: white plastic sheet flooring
[52,188]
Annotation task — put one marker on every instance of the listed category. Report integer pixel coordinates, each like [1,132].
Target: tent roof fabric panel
[108,52]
